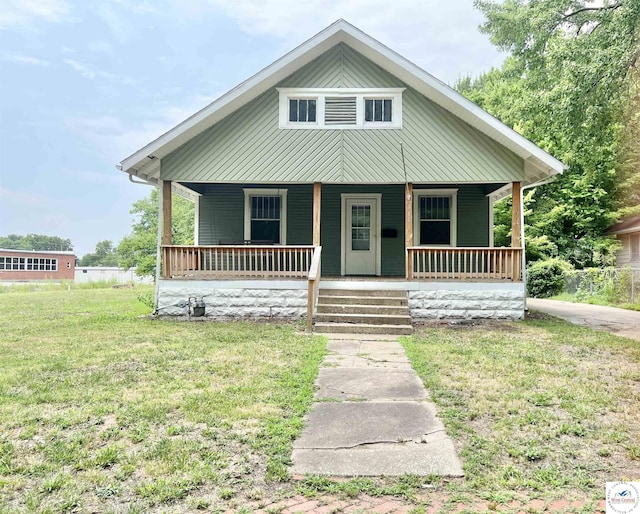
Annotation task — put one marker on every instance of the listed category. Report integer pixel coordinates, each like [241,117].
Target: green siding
[222,213]
[248,146]
[472,216]
[392,216]
[222,219]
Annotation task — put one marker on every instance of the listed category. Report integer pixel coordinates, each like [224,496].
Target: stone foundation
[235,300]
[287,299]
[428,305]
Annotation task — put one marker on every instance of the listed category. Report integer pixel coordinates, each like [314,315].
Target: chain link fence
[614,285]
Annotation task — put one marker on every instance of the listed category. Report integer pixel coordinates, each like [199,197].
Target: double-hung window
[435,217]
[265,216]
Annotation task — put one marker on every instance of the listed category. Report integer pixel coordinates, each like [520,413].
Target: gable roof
[145,163]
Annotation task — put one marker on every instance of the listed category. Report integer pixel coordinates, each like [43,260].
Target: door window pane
[360,227]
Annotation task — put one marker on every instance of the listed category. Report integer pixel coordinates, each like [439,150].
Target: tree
[628,190]
[564,86]
[138,249]
[35,242]
[105,255]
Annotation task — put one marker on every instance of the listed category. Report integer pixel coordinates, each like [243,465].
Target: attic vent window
[340,108]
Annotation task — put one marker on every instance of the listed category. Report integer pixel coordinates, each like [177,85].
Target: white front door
[360,235]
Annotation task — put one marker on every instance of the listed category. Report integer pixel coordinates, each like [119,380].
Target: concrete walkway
[621,322]
[372,416]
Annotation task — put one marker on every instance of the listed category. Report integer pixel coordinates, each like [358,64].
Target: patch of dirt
[485,324]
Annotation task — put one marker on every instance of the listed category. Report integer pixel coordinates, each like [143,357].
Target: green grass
[537,409]
[104,409]
[598,300]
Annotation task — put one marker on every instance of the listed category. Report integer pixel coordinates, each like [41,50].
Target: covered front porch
[265,243]
[425,231]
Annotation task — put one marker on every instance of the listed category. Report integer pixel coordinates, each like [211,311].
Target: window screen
[265,219]
[435,220]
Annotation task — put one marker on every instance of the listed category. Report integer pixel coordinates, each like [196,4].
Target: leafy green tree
[138,249]
[105,255]
[35,242]
[628,190]
[564,86]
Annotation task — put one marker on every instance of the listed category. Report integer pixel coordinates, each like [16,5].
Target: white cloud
[20,12]
[26,199]
[85,71]
[28,60]
[119,25]
[434,34]
[90,73]
[115,139]
[94,177]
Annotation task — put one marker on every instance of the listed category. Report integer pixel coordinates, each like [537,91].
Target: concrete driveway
[620,322]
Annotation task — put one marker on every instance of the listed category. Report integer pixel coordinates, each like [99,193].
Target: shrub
[546,278]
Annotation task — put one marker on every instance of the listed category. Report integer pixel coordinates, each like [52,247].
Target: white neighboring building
[85,274]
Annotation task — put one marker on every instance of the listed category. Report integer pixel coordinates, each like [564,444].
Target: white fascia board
[394,63]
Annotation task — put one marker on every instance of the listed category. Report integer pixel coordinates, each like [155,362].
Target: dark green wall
[392,217]
[222,213]
[222,218]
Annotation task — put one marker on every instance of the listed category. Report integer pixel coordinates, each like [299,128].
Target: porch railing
[464,263]
[314,286]
[236,261]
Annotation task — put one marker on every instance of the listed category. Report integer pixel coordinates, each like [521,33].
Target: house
[342,167]
[30,266]
[628,233]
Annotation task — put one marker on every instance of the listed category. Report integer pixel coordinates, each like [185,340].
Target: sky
[86,83]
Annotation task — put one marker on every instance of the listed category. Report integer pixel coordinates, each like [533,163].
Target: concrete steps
[362,309]
[362,312]
[349,299]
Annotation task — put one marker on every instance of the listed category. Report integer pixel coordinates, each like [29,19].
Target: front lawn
[537,409]
[105,410]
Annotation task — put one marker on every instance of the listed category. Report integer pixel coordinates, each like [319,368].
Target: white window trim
[319,94]
[451,193]
[282,193]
